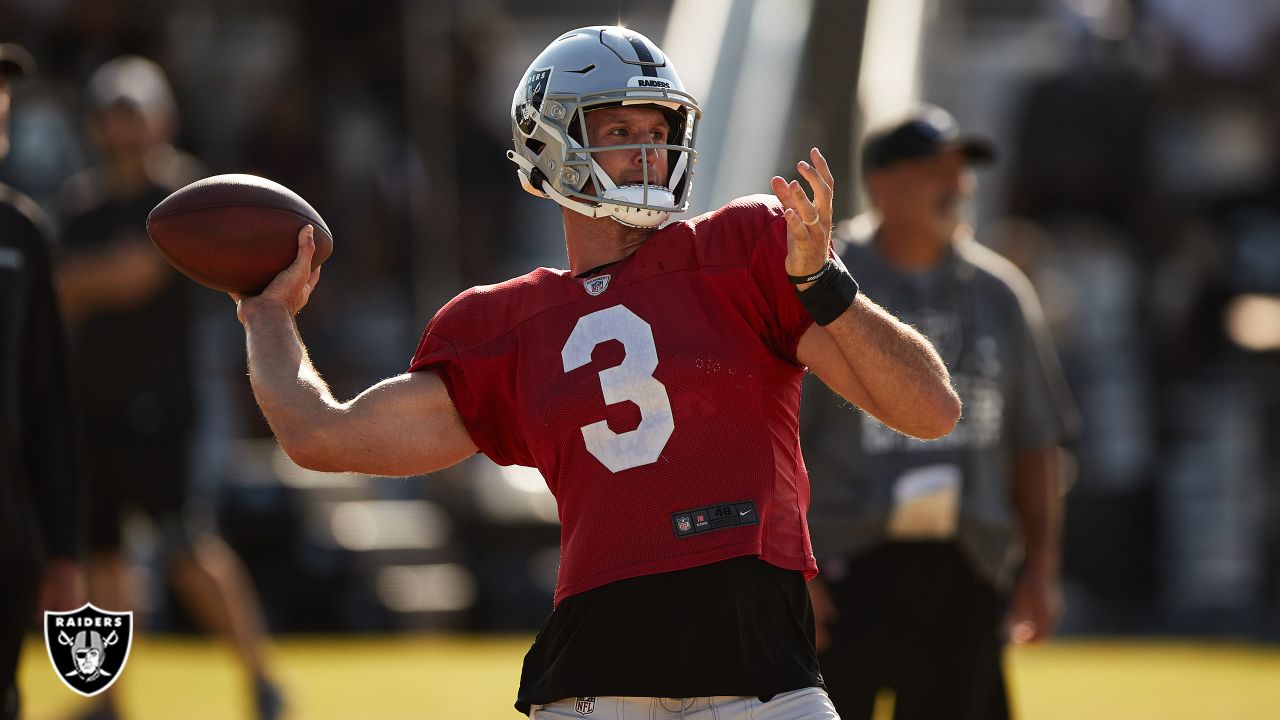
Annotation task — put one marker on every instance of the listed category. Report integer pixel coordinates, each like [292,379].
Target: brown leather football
[235,232]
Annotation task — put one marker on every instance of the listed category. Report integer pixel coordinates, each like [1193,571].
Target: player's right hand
[291,288]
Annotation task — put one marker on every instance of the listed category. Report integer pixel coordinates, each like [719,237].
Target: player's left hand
[808,221]
[1035,608]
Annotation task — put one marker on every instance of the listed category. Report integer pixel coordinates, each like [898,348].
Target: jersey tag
[714,517]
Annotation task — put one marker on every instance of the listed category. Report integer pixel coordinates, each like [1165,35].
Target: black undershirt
[595,270]
[736,627]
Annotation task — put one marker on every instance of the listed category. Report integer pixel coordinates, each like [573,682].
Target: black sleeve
[51,445]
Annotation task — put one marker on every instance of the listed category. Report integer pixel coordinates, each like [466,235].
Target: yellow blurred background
[457,676]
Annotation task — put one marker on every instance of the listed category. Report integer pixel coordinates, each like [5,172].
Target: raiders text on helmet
[583,70]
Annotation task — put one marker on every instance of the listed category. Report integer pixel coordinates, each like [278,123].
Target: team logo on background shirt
[88,647]
[596,285]
[586,705]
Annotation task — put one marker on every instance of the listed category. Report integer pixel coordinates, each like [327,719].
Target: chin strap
[633,216]
[622,214]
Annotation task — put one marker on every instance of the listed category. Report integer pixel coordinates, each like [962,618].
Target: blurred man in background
[131,316]
[40,491]
[919,540]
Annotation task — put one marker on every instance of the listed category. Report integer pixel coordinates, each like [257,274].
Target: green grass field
[388,678]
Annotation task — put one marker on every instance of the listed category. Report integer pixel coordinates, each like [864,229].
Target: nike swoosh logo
[744,512]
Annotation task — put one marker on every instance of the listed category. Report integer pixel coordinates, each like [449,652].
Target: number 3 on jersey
[632,380]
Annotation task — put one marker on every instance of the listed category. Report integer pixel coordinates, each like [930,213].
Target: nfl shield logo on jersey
[596,285]
[586,705]
[88,647]
[683,523]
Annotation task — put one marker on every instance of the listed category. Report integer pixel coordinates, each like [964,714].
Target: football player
[655,384]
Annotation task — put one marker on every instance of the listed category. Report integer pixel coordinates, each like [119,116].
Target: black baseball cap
[928,131]
[15,61]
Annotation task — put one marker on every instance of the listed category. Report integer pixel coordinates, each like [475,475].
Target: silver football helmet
[583,70]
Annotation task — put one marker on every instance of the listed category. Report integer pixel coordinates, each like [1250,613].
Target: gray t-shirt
[983,317]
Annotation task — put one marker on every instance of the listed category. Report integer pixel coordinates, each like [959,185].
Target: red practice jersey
[659,398]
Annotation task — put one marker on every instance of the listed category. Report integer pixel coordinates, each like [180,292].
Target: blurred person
[41,503]
[654,384]
[917,540]
[131,316]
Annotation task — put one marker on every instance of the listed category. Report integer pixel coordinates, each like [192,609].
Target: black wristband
[802,279]
[830,295]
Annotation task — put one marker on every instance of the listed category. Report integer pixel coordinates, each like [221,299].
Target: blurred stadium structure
[1139,187]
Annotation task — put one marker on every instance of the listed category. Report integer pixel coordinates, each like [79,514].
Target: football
[235,232]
